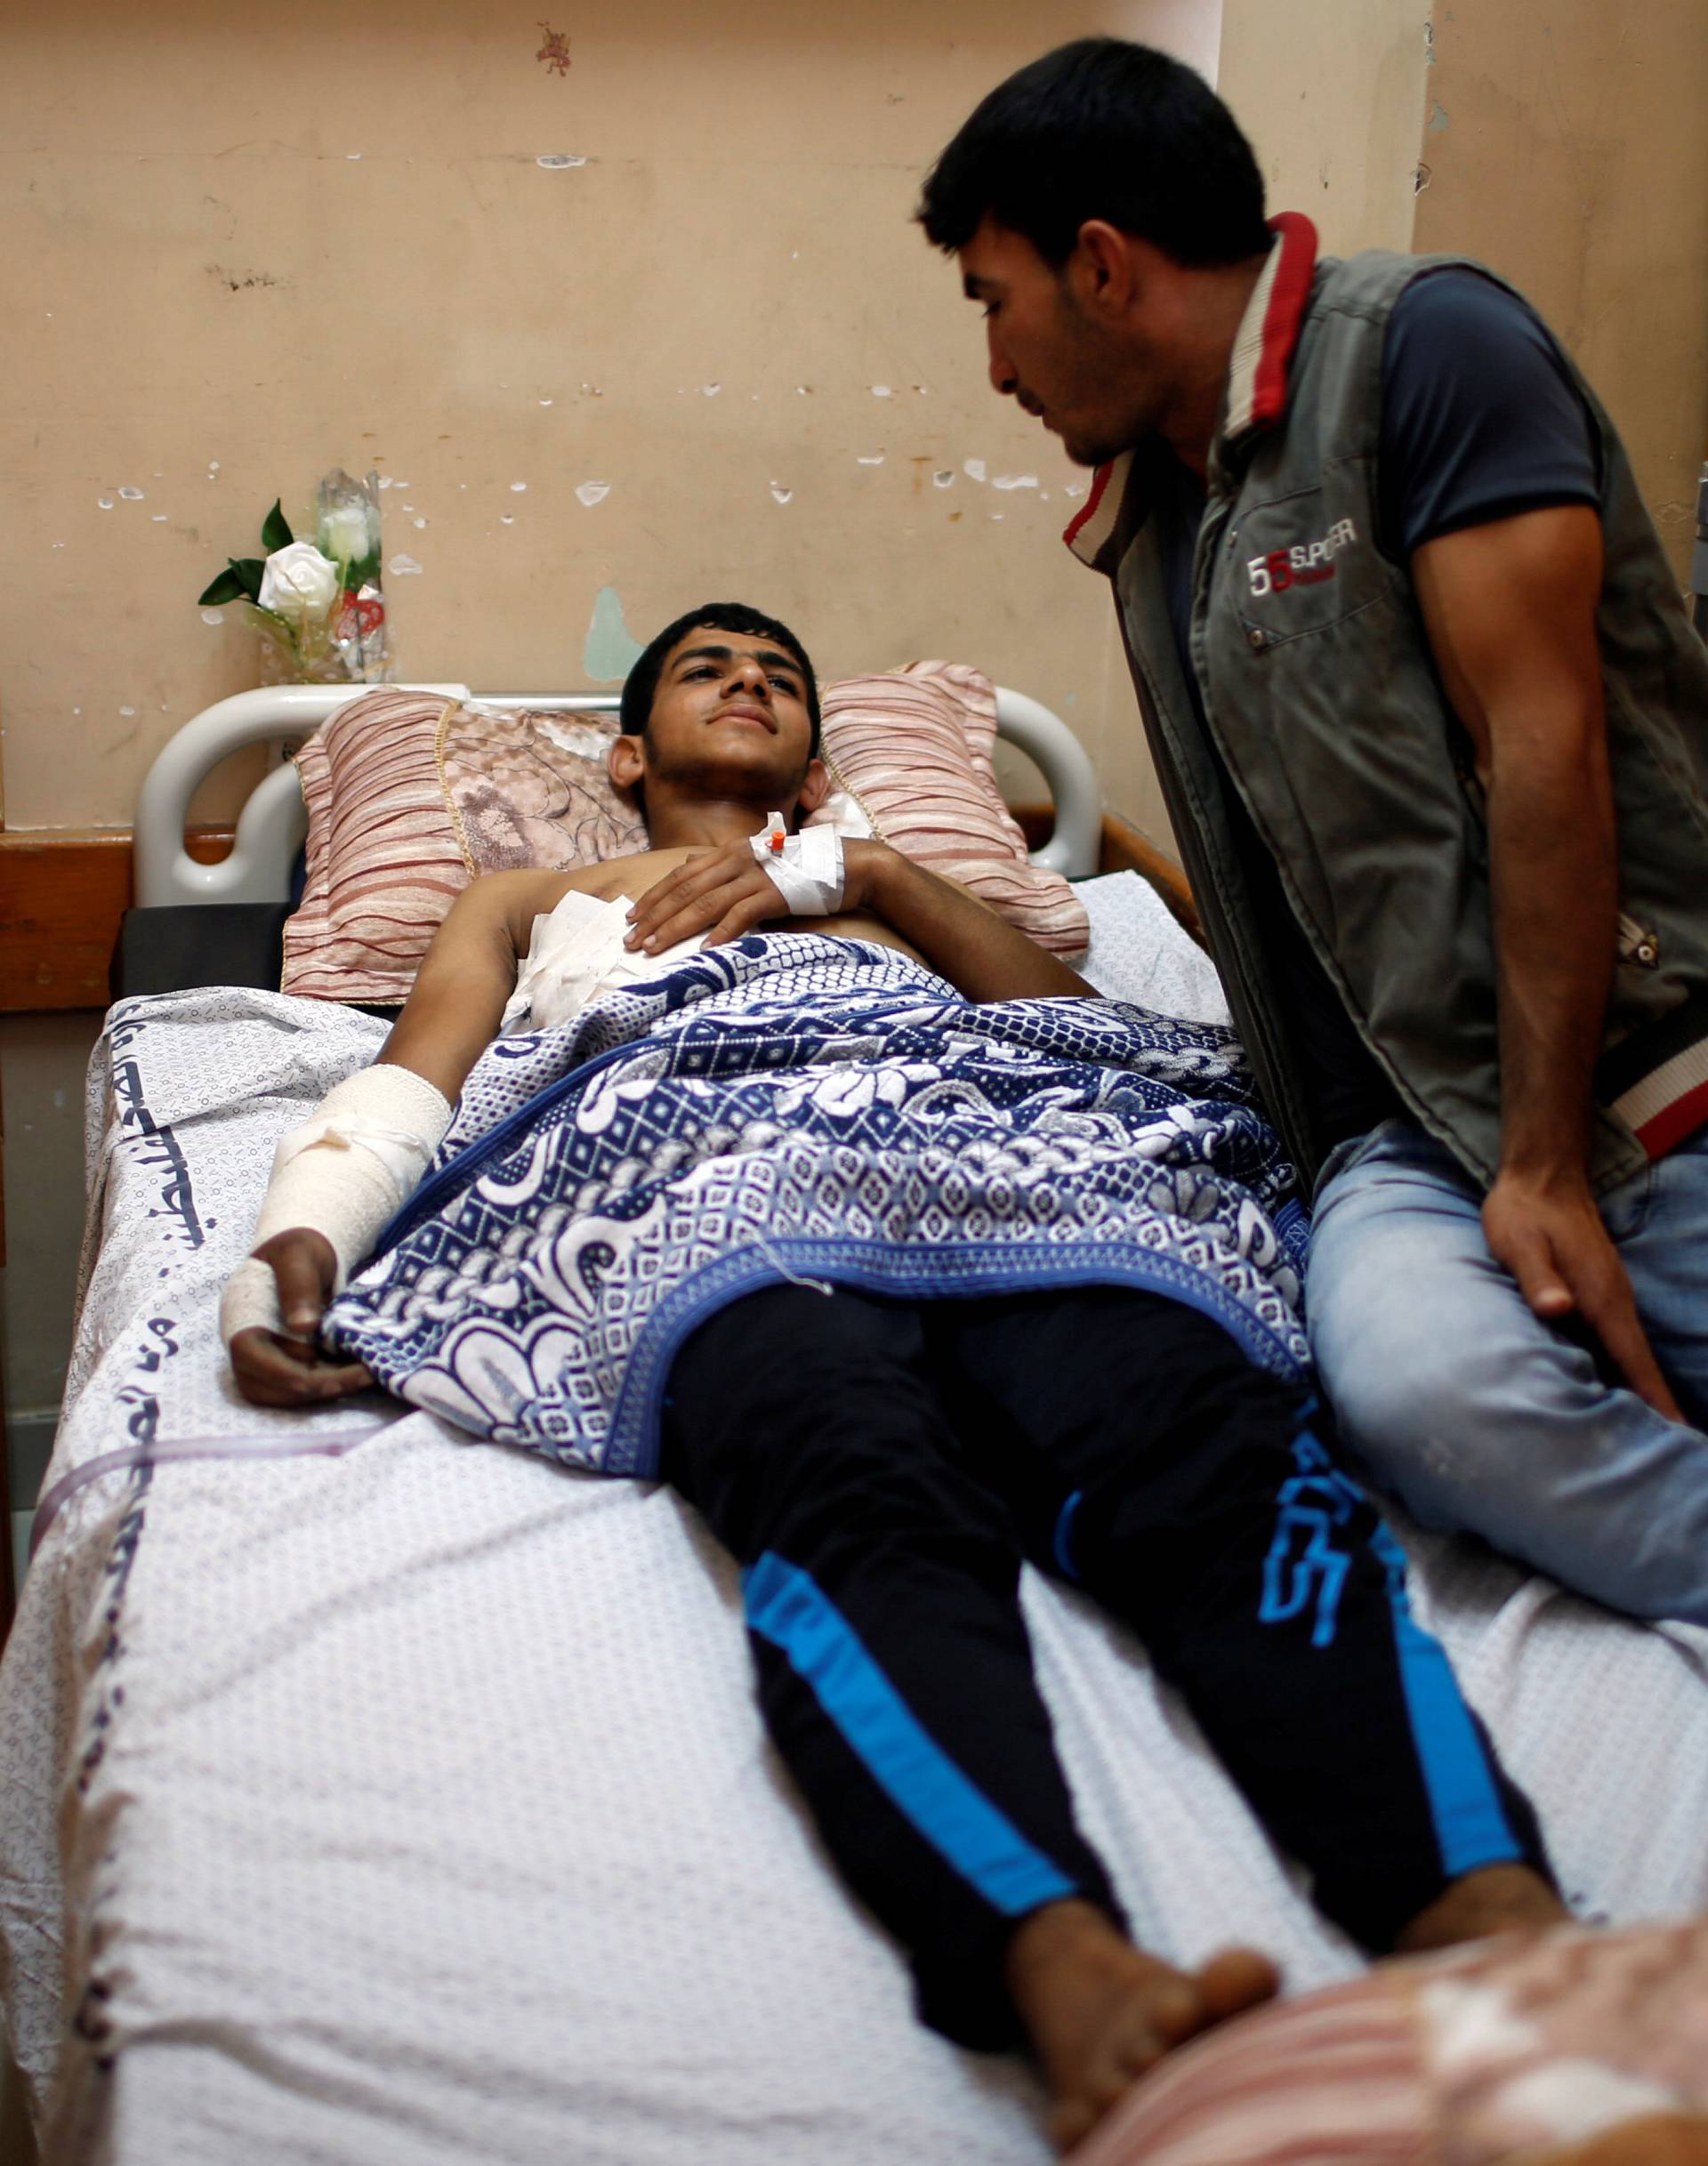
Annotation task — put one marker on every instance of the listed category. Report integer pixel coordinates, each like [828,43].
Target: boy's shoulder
[518,897]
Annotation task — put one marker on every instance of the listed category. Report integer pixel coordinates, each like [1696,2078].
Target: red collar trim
[1257,372]
[1257,369]
[1091,524]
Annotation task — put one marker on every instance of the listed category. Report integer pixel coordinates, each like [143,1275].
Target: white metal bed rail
[273,822]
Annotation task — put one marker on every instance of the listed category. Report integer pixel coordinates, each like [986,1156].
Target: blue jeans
[1477,1415]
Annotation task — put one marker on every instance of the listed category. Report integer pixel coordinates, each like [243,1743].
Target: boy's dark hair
[1102,129]
[640,686]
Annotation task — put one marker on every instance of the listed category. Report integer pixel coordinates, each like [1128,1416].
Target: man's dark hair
[1102,129]
[640,686]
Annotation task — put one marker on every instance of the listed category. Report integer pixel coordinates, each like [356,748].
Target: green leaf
[227,587]
[274,530]
[247,571]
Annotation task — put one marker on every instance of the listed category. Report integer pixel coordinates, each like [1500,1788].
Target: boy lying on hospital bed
[904,1257]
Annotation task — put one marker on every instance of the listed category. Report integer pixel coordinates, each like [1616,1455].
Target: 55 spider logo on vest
[1305,564]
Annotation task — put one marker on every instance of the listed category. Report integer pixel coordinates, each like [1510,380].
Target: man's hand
[287,1368]
[1550,1236]
[724,893]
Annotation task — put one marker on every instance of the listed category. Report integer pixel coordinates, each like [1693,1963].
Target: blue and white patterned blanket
[794,1107]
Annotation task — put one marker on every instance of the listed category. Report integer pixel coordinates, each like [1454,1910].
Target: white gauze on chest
[577,954]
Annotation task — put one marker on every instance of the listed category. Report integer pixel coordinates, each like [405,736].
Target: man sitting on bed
[882,1466]
[1429,718]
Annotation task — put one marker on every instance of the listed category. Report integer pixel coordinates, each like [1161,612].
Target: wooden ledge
[62,892]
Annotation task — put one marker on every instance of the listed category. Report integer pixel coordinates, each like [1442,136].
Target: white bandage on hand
[806,868]
[250,1300]
[342,1174]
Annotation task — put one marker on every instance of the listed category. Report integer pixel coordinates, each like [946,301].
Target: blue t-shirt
[1479,421]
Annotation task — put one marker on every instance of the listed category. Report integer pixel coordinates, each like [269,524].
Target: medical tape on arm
[806,869]
[342,1174]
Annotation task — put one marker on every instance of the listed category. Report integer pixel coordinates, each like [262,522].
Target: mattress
[375,1794]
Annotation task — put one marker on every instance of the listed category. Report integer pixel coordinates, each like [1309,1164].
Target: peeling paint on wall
[241,281]
[610,650]
[710,468]
[555,52]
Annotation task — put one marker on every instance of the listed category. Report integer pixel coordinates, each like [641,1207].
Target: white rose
[297,581]
[343,533]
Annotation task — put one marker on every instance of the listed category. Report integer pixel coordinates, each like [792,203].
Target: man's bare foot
[1100,2012]
[1493,1899]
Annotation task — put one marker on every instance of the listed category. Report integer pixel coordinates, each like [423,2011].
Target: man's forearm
[980,953]
[1512,612]
[1554,880]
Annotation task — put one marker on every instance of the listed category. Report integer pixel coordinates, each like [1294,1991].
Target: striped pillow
[410,796]
[913,749]
[1502,2049]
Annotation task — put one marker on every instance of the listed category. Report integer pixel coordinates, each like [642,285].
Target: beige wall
[245,250]
[252,247]
[1561,141]
[1330,93]
[1566,145]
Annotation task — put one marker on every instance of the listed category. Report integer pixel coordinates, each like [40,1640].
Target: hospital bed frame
[273,823]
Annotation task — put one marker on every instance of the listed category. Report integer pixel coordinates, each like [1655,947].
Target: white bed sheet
[406,1802]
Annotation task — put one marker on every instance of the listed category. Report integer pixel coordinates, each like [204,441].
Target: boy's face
[730,718]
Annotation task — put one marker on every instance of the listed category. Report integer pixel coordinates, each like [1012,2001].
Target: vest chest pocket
[1297,565]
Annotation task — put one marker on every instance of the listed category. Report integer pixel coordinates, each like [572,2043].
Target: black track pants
[880,1469]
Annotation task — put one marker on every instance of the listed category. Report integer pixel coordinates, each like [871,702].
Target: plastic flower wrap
[317,604]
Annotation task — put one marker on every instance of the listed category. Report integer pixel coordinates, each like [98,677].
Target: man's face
[1092,376]
[729,717]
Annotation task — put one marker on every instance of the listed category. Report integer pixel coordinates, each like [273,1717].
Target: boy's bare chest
[634,876]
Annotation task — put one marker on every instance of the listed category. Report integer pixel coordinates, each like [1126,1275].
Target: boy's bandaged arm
[341,1175]
[344,1172]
